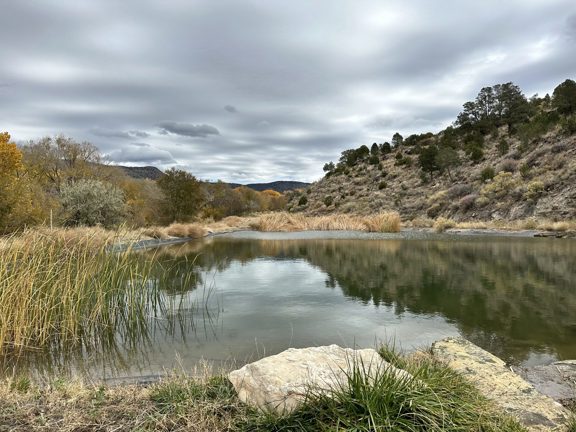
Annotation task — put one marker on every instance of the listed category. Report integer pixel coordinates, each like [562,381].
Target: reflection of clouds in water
[514,297]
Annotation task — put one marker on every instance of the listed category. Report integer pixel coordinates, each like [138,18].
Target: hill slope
[540,182]
[278,186]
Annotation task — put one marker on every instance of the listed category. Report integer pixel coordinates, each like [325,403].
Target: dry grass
[186,230]
[519,225]
[286,222]
[442,224]
[176,404]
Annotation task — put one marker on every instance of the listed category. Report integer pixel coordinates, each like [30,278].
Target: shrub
[92,202]
[508,165]
[303,200]
[328,200]
[467,202]
[374,160]
[525,170]
[476,154]
[503,147]
[382,185]
[459,190]
[501,185]
[569,125]
[534,190]
[487,174]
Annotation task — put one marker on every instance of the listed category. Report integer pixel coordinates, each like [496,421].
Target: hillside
[486,169]
[146,172]
[278,186]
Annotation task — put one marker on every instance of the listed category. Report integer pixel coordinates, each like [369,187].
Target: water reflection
[514,297]
[234,299]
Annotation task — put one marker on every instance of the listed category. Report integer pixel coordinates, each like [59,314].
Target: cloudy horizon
[260,91]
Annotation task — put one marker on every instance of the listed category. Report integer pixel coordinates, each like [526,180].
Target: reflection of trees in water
[511,296]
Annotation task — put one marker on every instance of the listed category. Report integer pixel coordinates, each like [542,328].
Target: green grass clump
[435,399]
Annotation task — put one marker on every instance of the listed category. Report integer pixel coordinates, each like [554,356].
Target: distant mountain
[146,172]
[153,173]
[278,186]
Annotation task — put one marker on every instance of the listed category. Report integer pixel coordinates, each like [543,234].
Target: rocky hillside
[487,171]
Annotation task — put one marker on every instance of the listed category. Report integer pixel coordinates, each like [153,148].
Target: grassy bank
[446,402]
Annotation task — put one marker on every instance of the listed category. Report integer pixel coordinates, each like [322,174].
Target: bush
[508,165]
[328,200]
[534,190]
[502,184]
[467,202]
[569,125]
[476,154]
[503,147]
[374,160]
[487,174]
[92,202]
[459,190]
[382,185]
[525,171]
[303,200]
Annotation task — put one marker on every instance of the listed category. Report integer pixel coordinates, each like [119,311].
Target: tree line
[499,111]
[62,182]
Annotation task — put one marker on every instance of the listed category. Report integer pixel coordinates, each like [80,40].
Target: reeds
[64,292]
[282,221]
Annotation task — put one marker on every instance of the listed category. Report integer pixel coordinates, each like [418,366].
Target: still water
[256,294]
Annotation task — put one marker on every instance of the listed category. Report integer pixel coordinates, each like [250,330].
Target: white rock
[279,383]
[497,382]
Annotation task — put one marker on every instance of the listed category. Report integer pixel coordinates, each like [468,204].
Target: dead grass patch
[286,222]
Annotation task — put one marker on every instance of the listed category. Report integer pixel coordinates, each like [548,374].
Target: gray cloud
[187,129]
[106,133]
[141,153]
[311,80]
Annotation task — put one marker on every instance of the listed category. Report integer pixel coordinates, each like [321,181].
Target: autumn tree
[22,203]
[10,164]
[60,160]
[183,195]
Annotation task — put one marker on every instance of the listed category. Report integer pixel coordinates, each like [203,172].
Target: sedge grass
[62,292]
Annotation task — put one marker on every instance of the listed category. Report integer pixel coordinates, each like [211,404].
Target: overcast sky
[249,91]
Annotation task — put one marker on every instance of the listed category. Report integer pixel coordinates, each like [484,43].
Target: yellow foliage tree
[21,201]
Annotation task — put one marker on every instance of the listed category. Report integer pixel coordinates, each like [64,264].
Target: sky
[256,91]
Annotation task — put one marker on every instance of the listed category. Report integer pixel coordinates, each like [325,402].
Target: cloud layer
[250,91]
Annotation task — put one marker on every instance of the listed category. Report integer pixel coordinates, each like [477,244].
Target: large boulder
[280,382]
[497,382]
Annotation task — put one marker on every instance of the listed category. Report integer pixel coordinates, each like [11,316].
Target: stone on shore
[497,382]
[280,383]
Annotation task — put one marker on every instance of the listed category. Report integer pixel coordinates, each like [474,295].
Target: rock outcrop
[497,382]
[280,383]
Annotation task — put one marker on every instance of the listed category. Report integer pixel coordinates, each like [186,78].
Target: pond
[256,294]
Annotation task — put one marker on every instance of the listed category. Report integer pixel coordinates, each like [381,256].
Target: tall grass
[282,221]
[57,291]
